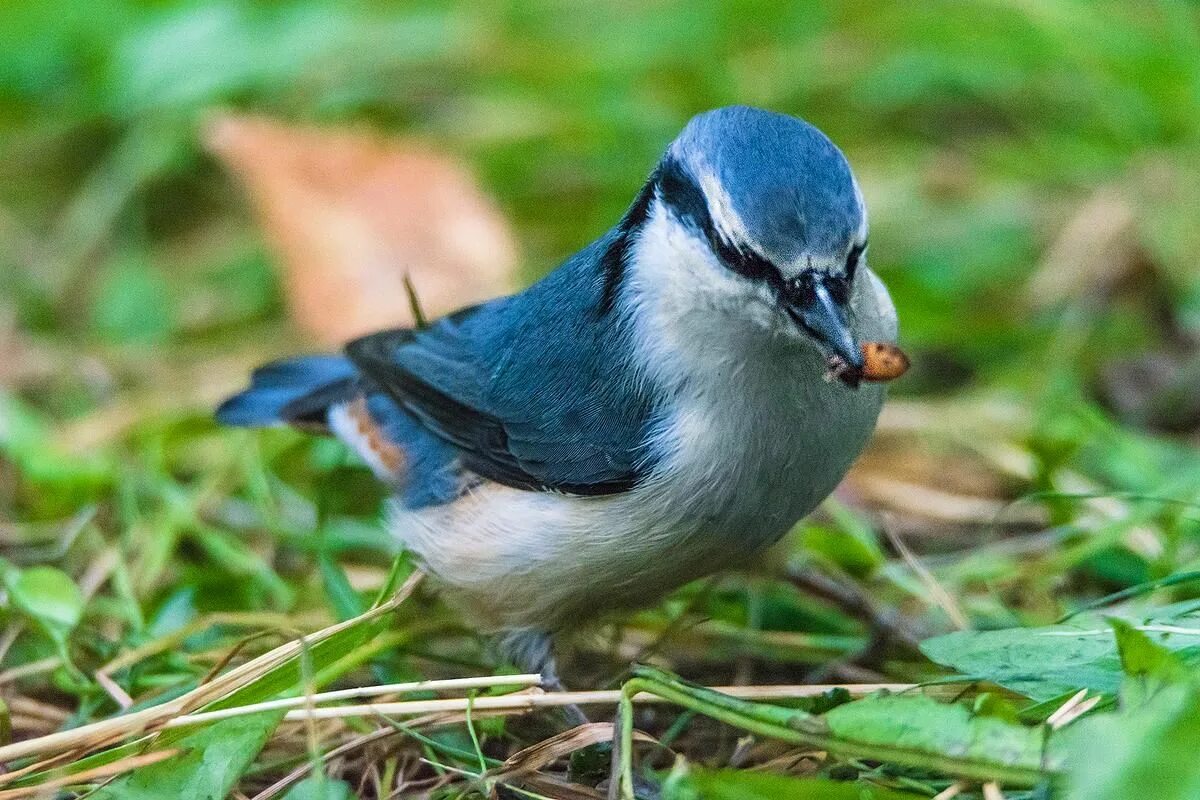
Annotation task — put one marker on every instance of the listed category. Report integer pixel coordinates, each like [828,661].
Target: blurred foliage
[137,289]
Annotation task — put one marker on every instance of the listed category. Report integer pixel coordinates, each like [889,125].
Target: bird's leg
[532,650]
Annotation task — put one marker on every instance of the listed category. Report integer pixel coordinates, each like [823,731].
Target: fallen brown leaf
[349,213]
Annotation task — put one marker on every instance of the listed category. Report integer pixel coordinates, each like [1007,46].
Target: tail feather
[327,394]
[292,391]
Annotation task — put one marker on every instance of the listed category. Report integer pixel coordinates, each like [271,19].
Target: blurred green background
[1032,170]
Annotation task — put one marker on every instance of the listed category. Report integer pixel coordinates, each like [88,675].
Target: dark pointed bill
[825,320]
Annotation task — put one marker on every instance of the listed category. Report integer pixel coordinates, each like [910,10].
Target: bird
[657,408]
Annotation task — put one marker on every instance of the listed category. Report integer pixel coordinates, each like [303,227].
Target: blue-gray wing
[534,390]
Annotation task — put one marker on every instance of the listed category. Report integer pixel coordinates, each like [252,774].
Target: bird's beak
[825,320]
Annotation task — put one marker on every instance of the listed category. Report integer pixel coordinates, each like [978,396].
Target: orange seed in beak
[883,361]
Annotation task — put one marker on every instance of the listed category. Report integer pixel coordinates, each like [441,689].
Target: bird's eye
[853,257]
[839,288]
[800,290]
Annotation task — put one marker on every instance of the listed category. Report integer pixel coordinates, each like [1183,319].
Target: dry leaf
[349,214]
[544,753]
[1095,251]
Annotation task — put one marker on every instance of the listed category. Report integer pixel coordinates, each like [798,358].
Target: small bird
[657,408]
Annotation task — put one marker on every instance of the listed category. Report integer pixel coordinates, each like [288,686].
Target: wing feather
[524,412]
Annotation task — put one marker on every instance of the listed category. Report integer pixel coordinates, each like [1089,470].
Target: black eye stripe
[852,259]
[680,192]
[839,288]
[684,197]
[744,262]
[801,290]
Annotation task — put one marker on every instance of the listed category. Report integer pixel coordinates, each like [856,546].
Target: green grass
[136,285]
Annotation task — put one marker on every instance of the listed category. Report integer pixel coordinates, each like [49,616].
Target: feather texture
[535,389]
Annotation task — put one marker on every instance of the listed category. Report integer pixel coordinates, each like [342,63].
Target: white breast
[754,440]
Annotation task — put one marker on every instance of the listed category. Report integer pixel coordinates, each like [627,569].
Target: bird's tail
[294,391]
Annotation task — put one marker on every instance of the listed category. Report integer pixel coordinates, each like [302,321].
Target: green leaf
[133,304]
[910,730]
[48,597]
[27,439]
[1143,751]
[1044,663]
[744,785]
[5,723]
[840,548]
[345,602]
[177,610]
[851,545]
[1148,666]
[320,787]
[211,761]
[922,724]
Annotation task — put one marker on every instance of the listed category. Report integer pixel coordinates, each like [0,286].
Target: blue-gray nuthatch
[655,409]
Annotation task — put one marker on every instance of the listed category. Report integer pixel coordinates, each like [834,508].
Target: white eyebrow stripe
[720,210]
[862,207]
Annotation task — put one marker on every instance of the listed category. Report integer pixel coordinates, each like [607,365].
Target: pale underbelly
[514,559]
[517,559]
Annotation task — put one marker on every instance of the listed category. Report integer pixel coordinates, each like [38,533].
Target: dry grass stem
[991,791]
[32,668]
[936,590]
[546,752]
[88,775]
[926,502]
[1066,708]
[1078,711]
[311,700]
[97,733]
[530,700]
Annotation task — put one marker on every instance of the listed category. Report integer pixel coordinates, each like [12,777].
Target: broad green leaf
[841,548]
[851,544]
[922,724]
[211,761]
[319,787]
[1044,663]
[48,597]
[909,729]
[1148,666]
[745,785]
[1144,751]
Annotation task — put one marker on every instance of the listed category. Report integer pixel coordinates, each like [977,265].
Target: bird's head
[772,209]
